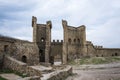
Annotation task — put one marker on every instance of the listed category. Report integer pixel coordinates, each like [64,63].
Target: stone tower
[42,37]
[74,45]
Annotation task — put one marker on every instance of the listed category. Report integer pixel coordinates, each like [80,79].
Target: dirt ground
[98,73]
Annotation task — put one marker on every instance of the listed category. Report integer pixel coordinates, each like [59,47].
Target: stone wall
[42,37]
[26,50]
[105,52]
[99,51]
[13,64]
[74,44]
[90,49]
[56,50]
[19,49]
[5,43]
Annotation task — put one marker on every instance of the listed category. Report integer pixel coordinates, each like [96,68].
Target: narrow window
[78,40]
[42,39]
[5,48]
[74,40]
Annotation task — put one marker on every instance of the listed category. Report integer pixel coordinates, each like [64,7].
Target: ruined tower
[74,45]
[42,37]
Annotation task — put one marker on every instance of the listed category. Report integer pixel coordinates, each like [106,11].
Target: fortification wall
[26,52]
[13,64]
[56,50]
[99,51]
[90,49]
[105,52]
[19,49]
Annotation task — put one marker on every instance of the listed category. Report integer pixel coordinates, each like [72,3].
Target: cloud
[101,18]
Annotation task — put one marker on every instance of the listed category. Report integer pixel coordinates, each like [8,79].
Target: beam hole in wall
[24,59]
[69,40]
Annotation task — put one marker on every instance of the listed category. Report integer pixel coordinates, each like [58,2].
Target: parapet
[99,47]
[56,42]
[89,42]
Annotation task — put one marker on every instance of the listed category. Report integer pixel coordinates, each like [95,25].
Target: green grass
[1,78]
[96,60]
[11,71]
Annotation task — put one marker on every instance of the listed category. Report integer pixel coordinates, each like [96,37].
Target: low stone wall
[13,64]
[19,66]
[32,71]
[59,74]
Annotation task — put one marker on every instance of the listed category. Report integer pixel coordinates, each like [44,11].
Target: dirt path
[104,73]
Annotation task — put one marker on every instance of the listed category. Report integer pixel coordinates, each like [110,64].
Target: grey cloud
[101,18]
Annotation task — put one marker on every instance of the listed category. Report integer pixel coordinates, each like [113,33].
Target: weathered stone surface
[19,49]
[75,45]
[42,49]
[11,63]
[58,74]
[42,37]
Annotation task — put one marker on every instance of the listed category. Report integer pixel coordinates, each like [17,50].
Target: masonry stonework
[19,49]
[73,46]
[42,37]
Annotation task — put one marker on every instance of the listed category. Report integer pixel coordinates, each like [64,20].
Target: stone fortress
[44,51]
[72,47]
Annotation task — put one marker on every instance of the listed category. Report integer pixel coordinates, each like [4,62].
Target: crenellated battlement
[57,42]
[96,46]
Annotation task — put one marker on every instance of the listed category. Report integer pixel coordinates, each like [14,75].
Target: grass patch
[71,62]
[96,60]
[11,71]
[6,71]
[1,78]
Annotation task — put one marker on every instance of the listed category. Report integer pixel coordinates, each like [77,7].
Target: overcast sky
[101,18]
